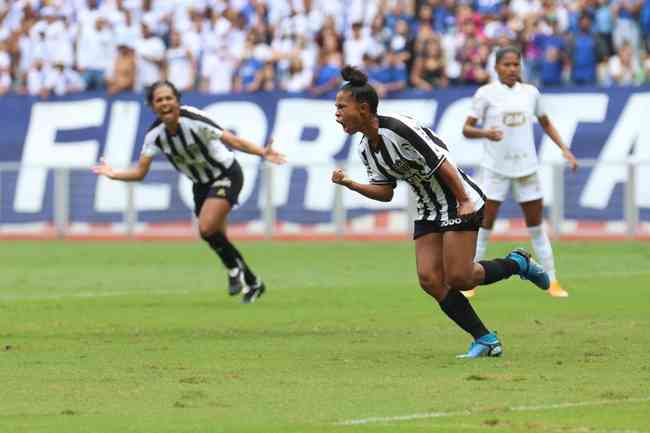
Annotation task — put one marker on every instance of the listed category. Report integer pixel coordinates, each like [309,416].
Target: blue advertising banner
[607,126]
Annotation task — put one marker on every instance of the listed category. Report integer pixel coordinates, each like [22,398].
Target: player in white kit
[506,110]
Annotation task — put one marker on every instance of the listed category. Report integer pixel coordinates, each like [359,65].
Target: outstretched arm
[133,174]
[244,145]
[383,192]
[550,130]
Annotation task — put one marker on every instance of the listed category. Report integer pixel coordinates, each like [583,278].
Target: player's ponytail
[357,85]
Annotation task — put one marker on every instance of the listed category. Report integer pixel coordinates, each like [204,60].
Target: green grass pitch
[119,337]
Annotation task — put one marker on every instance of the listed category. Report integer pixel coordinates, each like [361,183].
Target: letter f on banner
[42,152]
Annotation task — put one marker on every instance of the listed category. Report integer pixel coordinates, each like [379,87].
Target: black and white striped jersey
[413,153]
[195,150]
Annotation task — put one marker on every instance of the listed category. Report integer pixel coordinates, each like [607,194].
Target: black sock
[498,269]
[458,308]
[230,256]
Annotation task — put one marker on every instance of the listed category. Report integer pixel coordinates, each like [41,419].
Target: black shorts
[227,186]
[466,223]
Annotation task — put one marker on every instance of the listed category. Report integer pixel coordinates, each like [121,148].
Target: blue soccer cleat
[488,345]
[529,269]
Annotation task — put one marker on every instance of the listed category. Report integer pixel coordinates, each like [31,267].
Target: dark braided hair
[151,89]
[357,85]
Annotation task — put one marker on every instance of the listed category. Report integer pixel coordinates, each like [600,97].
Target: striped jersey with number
[413,153]
[195,149]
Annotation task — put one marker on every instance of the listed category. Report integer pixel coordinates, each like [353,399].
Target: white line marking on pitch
[45,297]
[415,416]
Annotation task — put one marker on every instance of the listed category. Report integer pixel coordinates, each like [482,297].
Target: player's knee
[207,231]
[458,280]
[430,281]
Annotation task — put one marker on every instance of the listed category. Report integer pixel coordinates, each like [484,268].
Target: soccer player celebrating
[506,109]
[450,206]
[194,145]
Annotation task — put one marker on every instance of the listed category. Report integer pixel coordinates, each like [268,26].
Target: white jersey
[413,153]
[510,110]
[195,150]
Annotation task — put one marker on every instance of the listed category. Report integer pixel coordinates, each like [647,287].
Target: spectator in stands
[5,69]
[624,68]
[645,25]
[122,78]
[299,78]
[604,24]
[585,52]
[646,69]
[326,74]
[94,52]
[251,74]
[389,75]
[626,26]
[64,80]
[429,68]
[37,79]
[356,45]
[218,67]
[180,64]
[150,50]
[553,57]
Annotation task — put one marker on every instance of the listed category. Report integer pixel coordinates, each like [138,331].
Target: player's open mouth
[343,125]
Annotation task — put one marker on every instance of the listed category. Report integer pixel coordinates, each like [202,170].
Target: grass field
[141,337]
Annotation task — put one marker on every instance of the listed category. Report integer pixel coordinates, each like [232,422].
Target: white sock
[481,243]
[543,250]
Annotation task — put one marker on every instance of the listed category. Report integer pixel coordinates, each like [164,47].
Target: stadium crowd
[233,46]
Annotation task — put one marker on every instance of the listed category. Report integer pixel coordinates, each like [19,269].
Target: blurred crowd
[233,46]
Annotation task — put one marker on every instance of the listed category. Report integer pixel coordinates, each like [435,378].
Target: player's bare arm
[241,144]
[132,174]
[372,191]
[450,176]
[550,130]
[471,131]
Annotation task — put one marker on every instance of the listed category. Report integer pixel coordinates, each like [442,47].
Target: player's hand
[273,155]
[465,208]
[494,134]
[571,159]
[339,177]
[103,169]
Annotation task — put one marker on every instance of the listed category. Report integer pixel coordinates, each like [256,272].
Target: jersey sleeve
[375,177]
[209,130]
[149,148]
[539,106]
[479,105]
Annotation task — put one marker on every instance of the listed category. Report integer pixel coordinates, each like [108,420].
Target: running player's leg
[460,271]
[212,220]
[528,193]
[533,214]
[495,187]
[485,231]
[430,268]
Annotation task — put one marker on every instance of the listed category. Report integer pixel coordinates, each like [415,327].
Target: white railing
[340,222]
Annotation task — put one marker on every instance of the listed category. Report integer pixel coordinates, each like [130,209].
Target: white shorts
[524,189]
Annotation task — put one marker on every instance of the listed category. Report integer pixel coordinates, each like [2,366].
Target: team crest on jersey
[514,119]
[221,192]
[208,134]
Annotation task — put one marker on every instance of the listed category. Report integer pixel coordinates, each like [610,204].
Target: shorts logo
[223,182]
[451,222]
